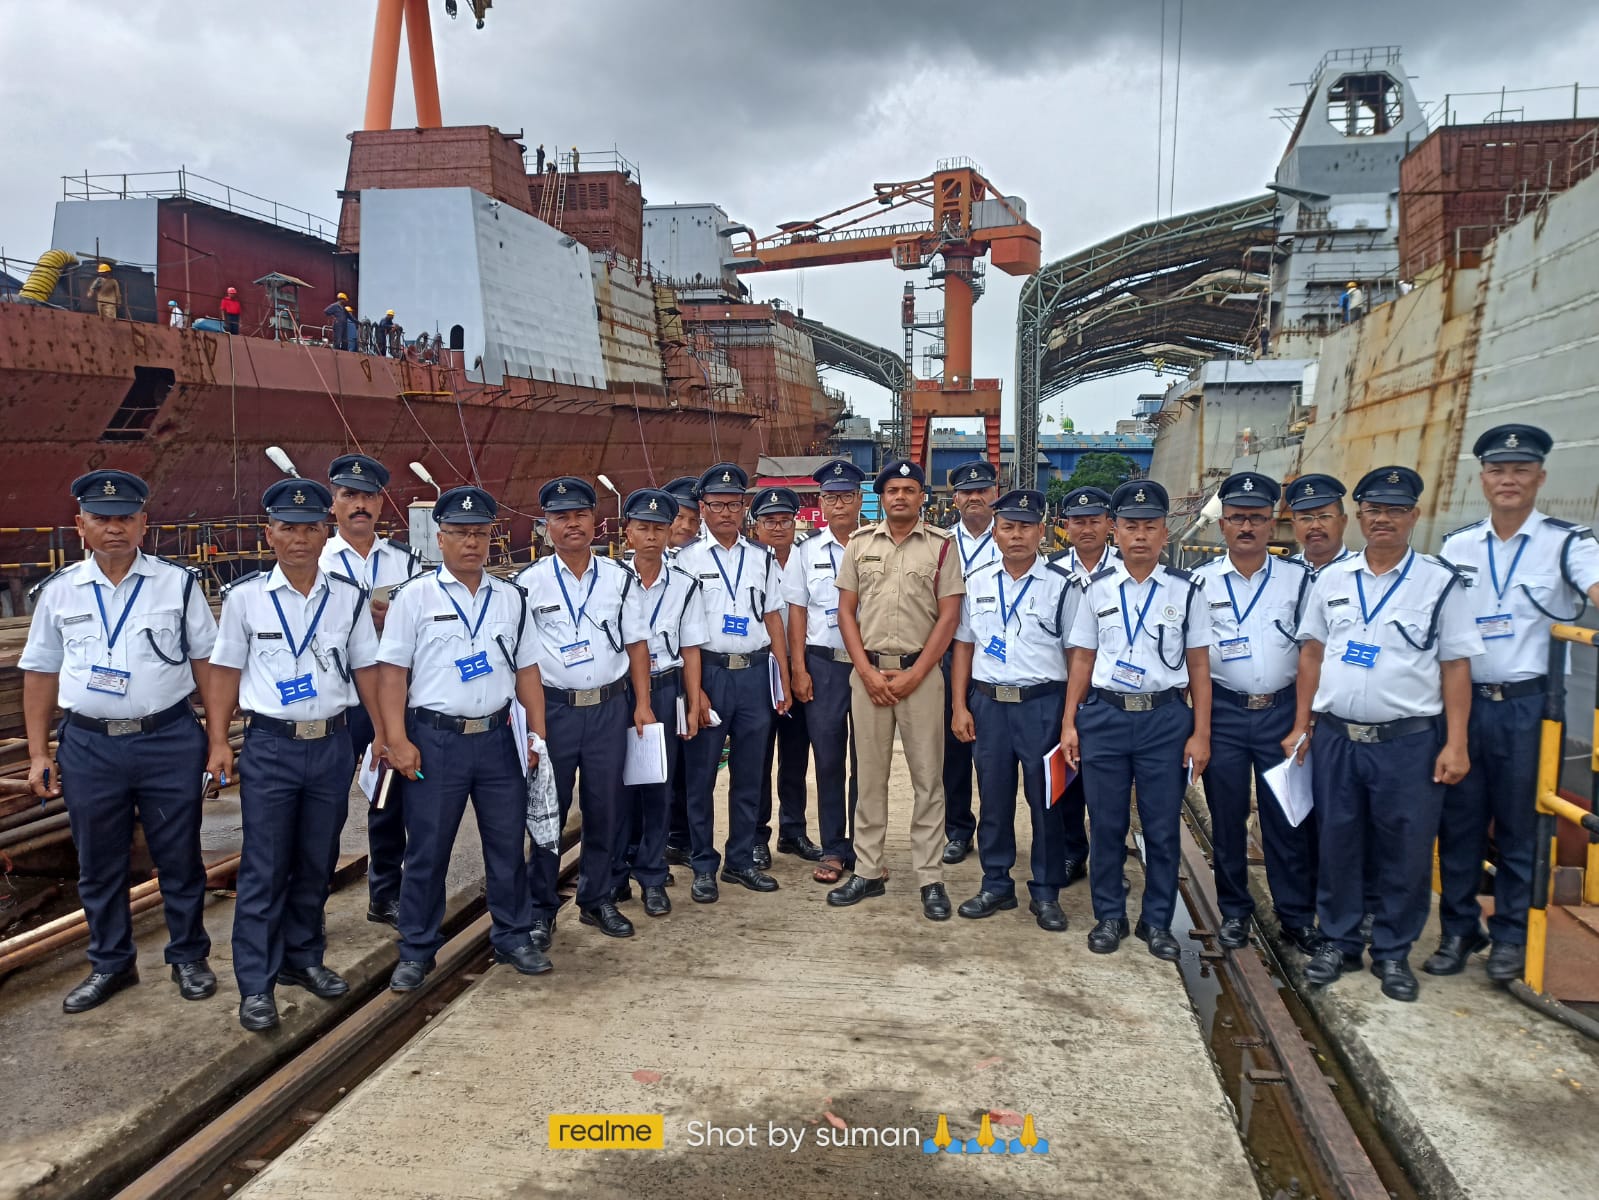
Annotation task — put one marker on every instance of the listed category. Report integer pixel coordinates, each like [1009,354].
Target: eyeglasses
[722,506]
[1248,522]
[775,522]
[839,497]
[1385,510]
[1317,519]
[465,535]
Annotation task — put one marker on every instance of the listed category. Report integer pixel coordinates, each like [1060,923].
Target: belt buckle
[1007,694]
[737,662]
[586,698]
[1138,702]
[891,662]
[124,728]
[475,724]
[1259,702]
[1369,734]
[841,656]
[307,731]
[1491,691]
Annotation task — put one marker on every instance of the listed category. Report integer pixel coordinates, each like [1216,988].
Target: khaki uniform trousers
[920,722]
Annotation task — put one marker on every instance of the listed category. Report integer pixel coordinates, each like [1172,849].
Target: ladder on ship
[552,201]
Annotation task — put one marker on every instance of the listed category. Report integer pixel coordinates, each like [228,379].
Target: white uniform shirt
[1343,553]
[384,567]
[811,580]
[1400,680]
[1502,590]
[1068,559]
[253,639]
[669,609]
[1018,627]
[976,551]
[580,626]
[738,587]
[459,648]
[1171,626]
[1252,624]
[145,672]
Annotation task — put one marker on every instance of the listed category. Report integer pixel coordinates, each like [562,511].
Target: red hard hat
[233,291]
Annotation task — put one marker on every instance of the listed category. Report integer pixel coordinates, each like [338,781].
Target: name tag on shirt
[79,619]
[577,654]
[995,648]
[474,666]
[832,618]
[1361,654]
[985,602]
[1126,673]
[298,689]
[1233,649]
[1497,625]
[109,681]
[735,626]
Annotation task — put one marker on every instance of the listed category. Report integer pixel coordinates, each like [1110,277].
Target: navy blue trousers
[106,781]
[789,743]
[385,827]
[1119,750]
[1376,801]
[1012,738]
[960,822]
[586,751]
[486,767]
[1243,744]
[648,807]
[294,797]
[832,735]
[1073,807]
[1502,788]
[743,699]
[677,803]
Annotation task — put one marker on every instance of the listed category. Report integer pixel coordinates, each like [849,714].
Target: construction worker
[384,334]
[176,317]
[352,329]
[107,292]
[338,315]
[574,159]
[538,160]
[232,310]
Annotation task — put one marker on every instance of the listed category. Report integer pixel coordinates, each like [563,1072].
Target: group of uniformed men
[1416,680]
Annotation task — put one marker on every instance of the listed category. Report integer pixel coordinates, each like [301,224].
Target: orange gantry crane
[385,67]
[970,218]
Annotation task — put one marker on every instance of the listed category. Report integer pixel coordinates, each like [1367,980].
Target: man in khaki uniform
[899,597]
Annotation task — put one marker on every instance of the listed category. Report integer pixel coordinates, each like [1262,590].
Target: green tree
[1106,471]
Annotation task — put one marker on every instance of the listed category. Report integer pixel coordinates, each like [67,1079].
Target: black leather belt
[300,731]
[585,697]
[1510,691]
[130,725]
[892,662]
[735,662]
[1382,731]
[839,656]
[1007,694]
[1139,701]
[661,678]
[1254,700]
[438,720]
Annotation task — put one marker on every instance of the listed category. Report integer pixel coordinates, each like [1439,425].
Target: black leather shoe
[1234,933]
[1162,943]
[656,902]
[986,904]
[608,919]
[98,988]
[754,878]
[762,856]
[704,890]
[800,847]
[957,849]
[1106,937]
[316,979]
[409,974]
[855,889]
[258,1012]
[1076,869]
[670,879]
[678,855]
[935,902]
[624,892]
[1050,915]
[1306,938]
[527,959]
[384,912]
[1453,951]
[1329,963]
[196,980]
[1506,961]
[542,934]
[1397,981]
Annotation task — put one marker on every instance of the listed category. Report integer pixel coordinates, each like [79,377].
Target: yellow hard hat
[1351,283]
[342,296]
[390,312]
[104,268]
[348,309]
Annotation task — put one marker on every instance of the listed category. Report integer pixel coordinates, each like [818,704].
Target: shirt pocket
[82,644]
[1414,625]
[498,638]
[273,657]
[1545,589]
[157,637]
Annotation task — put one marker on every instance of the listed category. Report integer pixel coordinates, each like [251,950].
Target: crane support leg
[385,65]
[424,72]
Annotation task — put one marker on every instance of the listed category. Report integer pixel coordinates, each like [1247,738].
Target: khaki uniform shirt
[899,585]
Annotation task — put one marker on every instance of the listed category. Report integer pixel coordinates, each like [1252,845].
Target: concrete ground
[92,1094]
[768,1011]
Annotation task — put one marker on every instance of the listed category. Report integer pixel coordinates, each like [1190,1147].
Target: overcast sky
[775,110]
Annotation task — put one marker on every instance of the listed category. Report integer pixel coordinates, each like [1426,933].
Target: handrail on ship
[182,184]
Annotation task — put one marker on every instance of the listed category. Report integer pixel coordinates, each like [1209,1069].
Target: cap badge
[299,497]
[973,475]
[1512,442]
[904,468]
[1249,485]
[466,504]
[1393,476]
[654,504]
[727,477]
[1139,495]
[560,489]
[355,468]
[110,488]
[1023,501]
[1310,489]
[838,468]
[1083,499]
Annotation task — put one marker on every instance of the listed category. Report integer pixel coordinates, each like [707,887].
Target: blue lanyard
[1006,614]
[666,586]
[113,634]
[370,566]
[1371,616]
[832,558]
[966,559]
[1241,617]
[576,613]
[1134,630]
[482,608]
[1499,592]
[732,584]
[310,630]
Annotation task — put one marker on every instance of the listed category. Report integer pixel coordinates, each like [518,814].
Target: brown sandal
[829,870]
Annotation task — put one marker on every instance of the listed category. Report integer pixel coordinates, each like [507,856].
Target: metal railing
[184,184]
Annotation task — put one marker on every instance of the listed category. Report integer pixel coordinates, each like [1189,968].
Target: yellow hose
[43,278]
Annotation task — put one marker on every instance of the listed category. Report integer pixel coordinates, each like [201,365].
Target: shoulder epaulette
[228,587]
[805,537]
[518,586]
[34,591]
[405,549]
[1063,572]
[1463,528]
[1445,564]
[186,568]
[1060,554]
[1179,573]
[404,583]
[1570,527]
[946,534]
[343,578]
[1102,573]
[677,570]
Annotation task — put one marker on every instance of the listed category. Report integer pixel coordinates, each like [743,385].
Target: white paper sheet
[646,756]
[1290,783]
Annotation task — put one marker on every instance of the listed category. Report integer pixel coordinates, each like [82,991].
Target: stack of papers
[775,677]
[1290,783]
[646,756]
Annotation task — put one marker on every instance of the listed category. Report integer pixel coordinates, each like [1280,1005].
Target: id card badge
[734,626]
[298,689]
[577,654]
[1496,626]
[832,618]
[1361,654]
[109,681]
[655,660]
[474,667]
[1126,673]
[1234,649]
[995,648]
